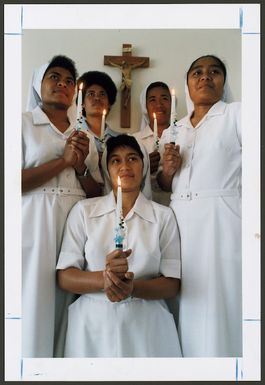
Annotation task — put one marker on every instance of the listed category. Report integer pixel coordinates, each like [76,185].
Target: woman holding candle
[121,310]
[54,159]
[99,94]
[156,105]
[206,198]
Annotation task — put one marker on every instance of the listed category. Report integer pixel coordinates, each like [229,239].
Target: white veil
[227,95]
[146,182]
[34,93]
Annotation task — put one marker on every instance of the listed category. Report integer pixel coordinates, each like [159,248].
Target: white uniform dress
[146,137]
[133,327]
[206,199]
[44,211]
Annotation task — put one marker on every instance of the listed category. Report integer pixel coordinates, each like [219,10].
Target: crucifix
[126,63]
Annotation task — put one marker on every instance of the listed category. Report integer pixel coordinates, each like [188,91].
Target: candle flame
[173,92]
[104,112]
[119,181]
[80,86]
[154,115]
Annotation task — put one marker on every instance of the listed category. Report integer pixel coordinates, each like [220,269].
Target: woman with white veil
[203,170]
[123,279]
[56,173]
[155,101]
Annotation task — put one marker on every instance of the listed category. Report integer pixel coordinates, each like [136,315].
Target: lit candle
[156,142]
[103,125]
[79,108]
[173,107]
[120,227]
[119,197]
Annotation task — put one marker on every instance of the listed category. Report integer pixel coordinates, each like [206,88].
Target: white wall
[171,51]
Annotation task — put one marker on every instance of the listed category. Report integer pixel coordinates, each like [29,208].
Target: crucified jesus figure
[126,63]
[126,81]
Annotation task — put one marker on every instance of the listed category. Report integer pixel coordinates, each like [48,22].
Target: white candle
[173,107]
[119,198]
[155,131]
[79,107]
[119,236]
[103,125]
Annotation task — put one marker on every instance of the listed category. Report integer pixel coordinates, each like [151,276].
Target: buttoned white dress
[206,200]
[147,138]
[44,211]
[133,327]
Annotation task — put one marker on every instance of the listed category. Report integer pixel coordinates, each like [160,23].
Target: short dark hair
[102,79]
[64,62]
[219,61]
[122,140]
[157,84]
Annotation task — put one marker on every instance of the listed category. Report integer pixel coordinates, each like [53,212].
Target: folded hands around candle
[79,142]
[118,281]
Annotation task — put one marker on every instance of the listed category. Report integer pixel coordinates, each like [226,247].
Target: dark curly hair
[122,140]
[102,79]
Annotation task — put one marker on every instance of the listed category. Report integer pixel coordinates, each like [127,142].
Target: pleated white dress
[44,212]
[206,200]
[133,327]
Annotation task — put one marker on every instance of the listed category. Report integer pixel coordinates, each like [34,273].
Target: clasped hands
[118,281]
[76,150]
[171,159]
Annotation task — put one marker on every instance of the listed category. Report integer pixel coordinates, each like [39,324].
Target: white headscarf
[227,95]
[146,181]
[34,93]
[145,118]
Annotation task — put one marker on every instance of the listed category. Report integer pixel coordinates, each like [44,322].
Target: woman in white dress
[155,98]
[121,311]
[56,173]
[204,171]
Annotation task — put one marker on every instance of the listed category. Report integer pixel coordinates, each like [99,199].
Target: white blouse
[152,234]
[42,142]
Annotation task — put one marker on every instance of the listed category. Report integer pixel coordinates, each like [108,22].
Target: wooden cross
[126,63]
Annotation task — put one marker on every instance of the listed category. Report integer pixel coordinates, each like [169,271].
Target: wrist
[82,172]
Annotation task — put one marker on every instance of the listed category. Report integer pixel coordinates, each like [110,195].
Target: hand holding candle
[79,108]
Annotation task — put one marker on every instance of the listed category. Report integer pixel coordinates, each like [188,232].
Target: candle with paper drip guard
[79,108]
[156,140]
[172,116]
[120,225]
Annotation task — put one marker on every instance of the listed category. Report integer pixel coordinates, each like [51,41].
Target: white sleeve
[72,252]
[238,124]
[170,265]
[92,160]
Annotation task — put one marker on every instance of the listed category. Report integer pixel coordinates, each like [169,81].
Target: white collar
[217,109]
[146,132]
[39,117]
[103,205]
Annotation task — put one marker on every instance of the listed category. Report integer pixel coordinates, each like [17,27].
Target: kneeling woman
[121,311]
